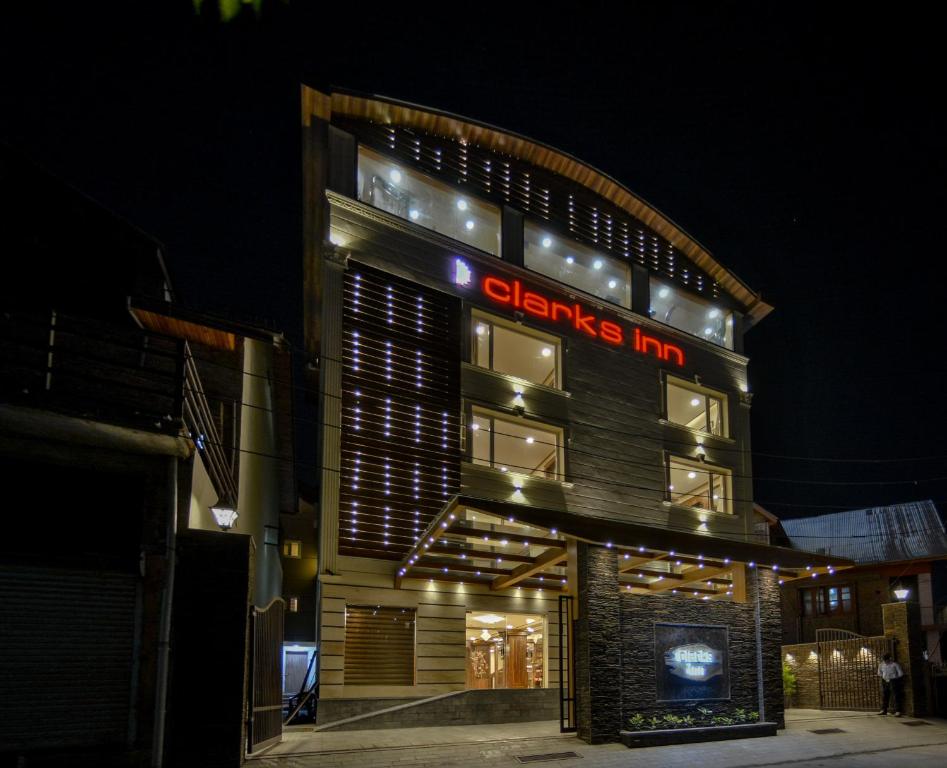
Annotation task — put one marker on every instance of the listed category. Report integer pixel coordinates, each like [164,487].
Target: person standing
[892,681]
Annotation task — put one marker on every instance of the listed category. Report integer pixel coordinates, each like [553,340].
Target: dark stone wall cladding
[467,708]
[615,665]
[639,613]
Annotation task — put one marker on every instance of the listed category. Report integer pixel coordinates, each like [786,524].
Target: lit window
[292,548]
[505,651]
[691,314]
[509,348]
[696,407]
[517,446]
[698,485]
[577,265]
[826,601]
[388,184]
[293,604]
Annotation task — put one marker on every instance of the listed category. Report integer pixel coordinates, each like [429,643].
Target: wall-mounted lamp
[701,451]
[225,513]
[901,592]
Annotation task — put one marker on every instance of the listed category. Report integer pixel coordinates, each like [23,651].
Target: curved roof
[391,112]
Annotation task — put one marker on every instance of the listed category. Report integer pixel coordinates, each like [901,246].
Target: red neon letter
[584,323]
[558,308]
[535,304]
[670,349]
[637,339]
[611,332]
[497,289]
[650,341]
[516,294]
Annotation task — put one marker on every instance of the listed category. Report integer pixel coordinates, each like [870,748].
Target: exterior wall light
[902,593]
[225,513]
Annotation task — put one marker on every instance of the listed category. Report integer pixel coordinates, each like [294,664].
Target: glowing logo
[696,662]
[512,293]
[462,273]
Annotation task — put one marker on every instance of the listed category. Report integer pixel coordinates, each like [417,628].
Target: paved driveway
[856,740]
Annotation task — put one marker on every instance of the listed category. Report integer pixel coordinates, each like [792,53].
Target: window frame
[472,410]
[433,183]
[705,392]
[476,315]
[712,470]
[817,598]
[543,229]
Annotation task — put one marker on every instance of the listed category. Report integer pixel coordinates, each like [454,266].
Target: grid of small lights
[400,406]
[538,192]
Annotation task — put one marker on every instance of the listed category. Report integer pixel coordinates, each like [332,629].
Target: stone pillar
[598,646]
[770,636]
[902,622]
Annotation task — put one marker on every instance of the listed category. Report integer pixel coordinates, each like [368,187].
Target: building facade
[536,487]
[899,547]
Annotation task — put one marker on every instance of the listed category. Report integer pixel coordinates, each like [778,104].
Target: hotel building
[536,495]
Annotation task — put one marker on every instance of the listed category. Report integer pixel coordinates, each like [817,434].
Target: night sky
[804,150]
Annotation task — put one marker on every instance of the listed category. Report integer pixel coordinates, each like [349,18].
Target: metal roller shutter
[66,648]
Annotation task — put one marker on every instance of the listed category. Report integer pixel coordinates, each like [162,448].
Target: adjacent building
[536,486]
[899,552]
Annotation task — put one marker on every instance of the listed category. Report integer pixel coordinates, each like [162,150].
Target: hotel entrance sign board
[691,662]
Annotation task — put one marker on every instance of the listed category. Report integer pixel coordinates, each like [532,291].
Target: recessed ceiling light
[547,242]
[570,260]
[691,475]
[597,264]
[531,440]
[469,225]
[414,213]
[395,175]
[546,351]
[664,293]
[612,283]
[695,402]
[462,204]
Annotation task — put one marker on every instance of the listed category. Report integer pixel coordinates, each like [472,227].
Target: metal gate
[848,669]
[265,697]
[566,678]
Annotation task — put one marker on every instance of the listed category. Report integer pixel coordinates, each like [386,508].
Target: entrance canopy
[505,545]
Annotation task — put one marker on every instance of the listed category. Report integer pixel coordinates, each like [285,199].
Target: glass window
[826,601]
[519,446]
[379,645]
[702,486]
[697,316]
[577,265]
[508,348]
[505,650]
[402,191]
[692,406]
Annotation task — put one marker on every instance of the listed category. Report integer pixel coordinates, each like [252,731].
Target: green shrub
[789,680]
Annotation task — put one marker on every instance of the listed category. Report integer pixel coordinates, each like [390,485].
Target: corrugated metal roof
[878,534]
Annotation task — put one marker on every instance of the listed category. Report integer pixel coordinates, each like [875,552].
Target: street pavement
[859,740]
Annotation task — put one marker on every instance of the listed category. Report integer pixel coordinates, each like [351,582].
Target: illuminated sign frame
[514,294]
[692,662]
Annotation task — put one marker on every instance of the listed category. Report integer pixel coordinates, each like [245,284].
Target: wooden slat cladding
[400,411]
[570,208]
[379,645]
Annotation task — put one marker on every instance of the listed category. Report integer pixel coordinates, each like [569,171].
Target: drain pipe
[164,629]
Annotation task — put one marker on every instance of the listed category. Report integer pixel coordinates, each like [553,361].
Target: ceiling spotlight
[547,242]
[664,293]
[530,440]
[469,225]
[395,176]
[462,205]
[570,260]
[597,264]
[691,475]
[695,401]
[546,352]
[414,214]
[612,283]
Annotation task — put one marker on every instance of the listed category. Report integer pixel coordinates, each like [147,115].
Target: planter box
[692,735]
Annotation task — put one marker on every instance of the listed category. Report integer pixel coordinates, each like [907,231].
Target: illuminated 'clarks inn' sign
[692,662]
[512,293]
[695,661]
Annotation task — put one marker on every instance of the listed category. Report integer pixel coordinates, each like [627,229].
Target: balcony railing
[202,429]
[92,369]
